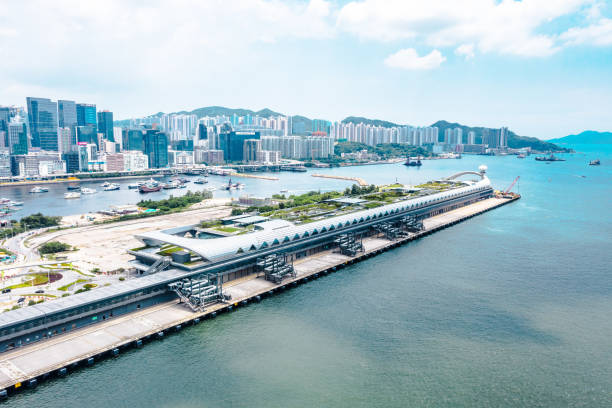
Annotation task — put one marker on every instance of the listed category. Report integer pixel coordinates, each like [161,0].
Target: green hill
[372,122]
[586,137]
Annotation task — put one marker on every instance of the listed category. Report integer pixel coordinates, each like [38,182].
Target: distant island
[586,137]
[305,124]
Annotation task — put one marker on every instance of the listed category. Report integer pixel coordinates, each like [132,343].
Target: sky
[541,67]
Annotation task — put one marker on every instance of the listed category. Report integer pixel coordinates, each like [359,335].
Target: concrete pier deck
[26,365]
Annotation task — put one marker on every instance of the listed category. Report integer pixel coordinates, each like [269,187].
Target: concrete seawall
[27,366]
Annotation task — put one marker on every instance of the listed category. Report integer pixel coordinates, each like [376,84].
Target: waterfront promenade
[20,366]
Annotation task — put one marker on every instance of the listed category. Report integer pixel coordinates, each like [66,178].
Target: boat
[134,186]
[595,162]
[105,184]
[86,190]
[15,203]
[412,163]
[521,156]
[210,188]
[173,184]
[112,186]
[73,187]
[239,186]
[39,190]
[151,182]
[149,188]
[200,180]
[5,200]
[72,194]
[550,158]
[284,191]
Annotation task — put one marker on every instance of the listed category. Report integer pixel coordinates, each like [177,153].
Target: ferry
[551,158]
[112,186]
[72,194]
[595,162]
[417,163]
[149,188]
[86,190]
[39,190]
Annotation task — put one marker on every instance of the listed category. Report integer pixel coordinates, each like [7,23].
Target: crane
[512,185]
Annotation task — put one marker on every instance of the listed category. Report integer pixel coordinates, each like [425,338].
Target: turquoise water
[509,309]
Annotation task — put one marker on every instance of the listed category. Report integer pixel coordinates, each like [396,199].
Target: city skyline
[408,63]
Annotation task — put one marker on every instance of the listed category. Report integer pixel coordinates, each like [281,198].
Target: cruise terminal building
[196,267]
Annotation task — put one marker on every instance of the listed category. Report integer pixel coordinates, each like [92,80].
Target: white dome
[482,168]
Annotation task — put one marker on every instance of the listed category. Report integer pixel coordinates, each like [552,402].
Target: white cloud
[598,34]
[504,27]
[409,59]
[465,50]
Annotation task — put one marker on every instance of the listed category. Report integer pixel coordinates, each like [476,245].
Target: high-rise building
[87,134]
[72,161]
[42,117]
[18,136]
[67,115]
[135,161]
[133,139]
[503,137]
[118,138]
[86,114]
[232,144]
[471,139]
[250,149]
[66,140]
[5,163]
[105,125]
[156,147]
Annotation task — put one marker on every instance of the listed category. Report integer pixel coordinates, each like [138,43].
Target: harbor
[25,367]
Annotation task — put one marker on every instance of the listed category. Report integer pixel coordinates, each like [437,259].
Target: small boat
[73,187]
[72,194]
[86,190]
[521,156]
[200,180]
[5,200]
[149,188]
[15,203]
[284,191]
[39,190]
[134,186]
[112,186]
[151,182]
[239,186]
[173,184]
[105,184]
[595,162]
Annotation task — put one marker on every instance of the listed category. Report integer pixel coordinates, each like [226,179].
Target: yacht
[112,186]
[86,190]
[72,194]
[38,189]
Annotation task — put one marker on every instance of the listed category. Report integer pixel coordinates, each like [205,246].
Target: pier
[58,356]
[359,180]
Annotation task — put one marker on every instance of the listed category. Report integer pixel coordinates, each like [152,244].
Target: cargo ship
[408,162]
[551,158]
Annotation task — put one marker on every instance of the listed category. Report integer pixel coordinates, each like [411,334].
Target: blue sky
[541,67]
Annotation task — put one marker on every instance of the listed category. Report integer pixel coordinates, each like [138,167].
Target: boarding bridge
[197,293]
[349,244]
[276,267]
[390,230]
[159,265]
[412,224]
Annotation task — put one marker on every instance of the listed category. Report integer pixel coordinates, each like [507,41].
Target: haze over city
[539,67]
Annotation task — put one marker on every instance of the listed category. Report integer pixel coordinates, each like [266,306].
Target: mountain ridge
[585,137]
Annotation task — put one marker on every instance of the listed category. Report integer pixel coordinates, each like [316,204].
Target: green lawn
[66,287]
[38,279]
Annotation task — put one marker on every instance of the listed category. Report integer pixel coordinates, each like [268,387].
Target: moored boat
[86,190]
[200,180]
[112,186]
[149,188]
[72,194]
[73,187]
[38,189]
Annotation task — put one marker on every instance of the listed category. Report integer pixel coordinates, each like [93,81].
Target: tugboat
[551,158]
[413,163]
[595,162]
